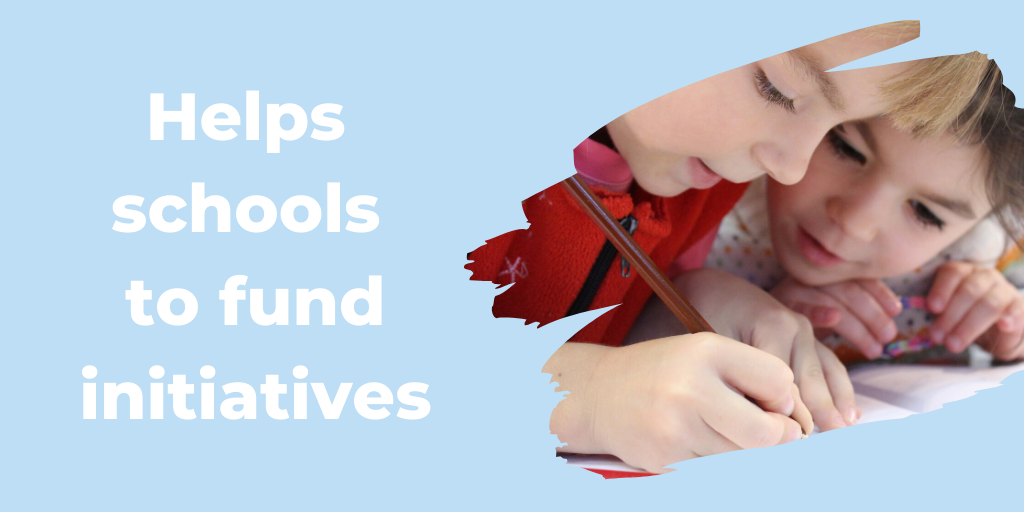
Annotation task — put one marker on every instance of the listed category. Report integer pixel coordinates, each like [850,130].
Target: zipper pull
[629,223]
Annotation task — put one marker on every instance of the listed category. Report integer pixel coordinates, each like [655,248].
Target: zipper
[600,268]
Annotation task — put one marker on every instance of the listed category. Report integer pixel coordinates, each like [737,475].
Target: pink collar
[602,167]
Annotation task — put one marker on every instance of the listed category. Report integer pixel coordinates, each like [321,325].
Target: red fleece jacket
[549,262]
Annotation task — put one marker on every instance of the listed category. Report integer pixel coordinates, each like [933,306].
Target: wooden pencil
[636,256]
[639,259]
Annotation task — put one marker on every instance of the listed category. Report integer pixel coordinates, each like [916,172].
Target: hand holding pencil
[663,401]
[820,376]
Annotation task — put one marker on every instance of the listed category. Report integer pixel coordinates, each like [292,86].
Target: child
[673,399]
[878,203]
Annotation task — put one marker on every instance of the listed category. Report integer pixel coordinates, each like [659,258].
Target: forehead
[938,164]
[810,70]
[847,95]
[852,94]
[861,89]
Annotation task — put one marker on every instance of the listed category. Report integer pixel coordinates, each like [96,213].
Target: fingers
[883,295]
[745,370]
[814,397]
[814,388]
[773,332]
[822,333]
[860,311]
[801,414]
[1005,340]
[745,424]
[851,329]
[791,429]
[839,384]
[868,323]
[1008,346]
[985,312]
[1013,317]
[753,372]
[776,335]
[821,317]
[768,380]
[947,280]
[818,307]
[792,407]
[976,303]
[861,298]
[713,442]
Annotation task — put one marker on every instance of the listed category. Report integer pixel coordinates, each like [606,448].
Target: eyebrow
[813,69]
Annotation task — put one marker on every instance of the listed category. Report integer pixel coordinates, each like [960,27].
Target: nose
[859,212]
[785,157]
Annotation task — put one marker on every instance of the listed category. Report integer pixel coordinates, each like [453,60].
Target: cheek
[660,125]
[893,261]
[906,252]
[717,115]
[789,201]
[809,195]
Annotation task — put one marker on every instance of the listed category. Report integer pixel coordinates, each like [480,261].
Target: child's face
[876,203]
[766,117]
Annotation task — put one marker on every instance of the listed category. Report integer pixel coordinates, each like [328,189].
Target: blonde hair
[900,30]
[931,97]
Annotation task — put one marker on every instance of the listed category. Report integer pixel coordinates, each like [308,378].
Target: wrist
[573,367]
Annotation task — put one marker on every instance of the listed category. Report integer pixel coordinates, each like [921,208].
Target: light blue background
[453,114]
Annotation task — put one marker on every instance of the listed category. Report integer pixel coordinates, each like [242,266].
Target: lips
[815,252]
[701,176]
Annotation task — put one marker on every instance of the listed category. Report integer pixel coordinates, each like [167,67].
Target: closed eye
[843,149]
[925,216]
[770,93]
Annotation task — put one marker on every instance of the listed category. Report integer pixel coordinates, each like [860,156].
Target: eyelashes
[842,149]
[925,216]
[770,93]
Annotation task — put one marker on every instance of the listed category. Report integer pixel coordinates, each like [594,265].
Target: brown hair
[992,120]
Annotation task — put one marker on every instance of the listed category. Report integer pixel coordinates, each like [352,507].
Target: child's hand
[672,399]
[860,311]
[969,300]
[742,311]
